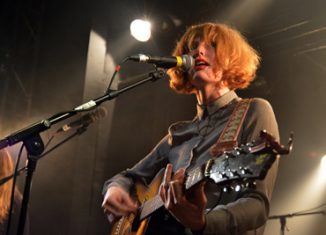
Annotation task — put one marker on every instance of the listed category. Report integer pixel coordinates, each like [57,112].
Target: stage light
[323,163]
[140,30]
[323,168]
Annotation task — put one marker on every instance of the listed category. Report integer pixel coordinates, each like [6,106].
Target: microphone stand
[32,140]
[283,218]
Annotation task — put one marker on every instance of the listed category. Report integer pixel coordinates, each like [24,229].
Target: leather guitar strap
[228,139]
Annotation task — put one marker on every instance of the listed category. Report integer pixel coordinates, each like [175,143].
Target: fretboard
[150,206]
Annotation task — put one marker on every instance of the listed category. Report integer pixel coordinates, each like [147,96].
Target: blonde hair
[6,169]
[238,60]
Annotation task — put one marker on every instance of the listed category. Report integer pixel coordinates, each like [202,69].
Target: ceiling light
[140,30]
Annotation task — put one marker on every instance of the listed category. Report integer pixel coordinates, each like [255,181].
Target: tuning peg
[251,184]
[233,153]
[245,170]
[246,148]
[250,144]
[236,152]
[223,175]
[238,188]
[227,154]
[234,173]
[235,188]
[228,189]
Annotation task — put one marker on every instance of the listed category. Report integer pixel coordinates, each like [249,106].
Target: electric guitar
[238,167]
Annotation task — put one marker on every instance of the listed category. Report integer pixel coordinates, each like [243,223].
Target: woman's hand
[187,207]
[117,202]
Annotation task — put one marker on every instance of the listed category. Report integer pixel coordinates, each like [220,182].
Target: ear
[219,74]
[224,84]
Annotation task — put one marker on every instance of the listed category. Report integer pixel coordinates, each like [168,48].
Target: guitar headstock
[247,162]
[244,167]
[274,146]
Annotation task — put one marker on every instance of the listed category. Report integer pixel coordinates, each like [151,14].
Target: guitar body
[127,225]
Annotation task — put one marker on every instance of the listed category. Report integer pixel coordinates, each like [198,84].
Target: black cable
[17,172]
[79,131]
[49,141]
[5,179]
[117,69]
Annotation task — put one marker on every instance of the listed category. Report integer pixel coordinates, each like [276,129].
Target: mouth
[200,64]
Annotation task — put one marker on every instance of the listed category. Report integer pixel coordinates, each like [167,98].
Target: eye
[185,49]
[193,45]
[213,44]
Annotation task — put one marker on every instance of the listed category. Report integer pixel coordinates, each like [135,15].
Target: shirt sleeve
[249,212]
[144,171]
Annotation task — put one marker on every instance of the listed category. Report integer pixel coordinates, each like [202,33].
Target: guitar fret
[154,203]
[194,177]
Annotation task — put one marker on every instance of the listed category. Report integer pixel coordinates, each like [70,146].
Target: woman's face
[206,70]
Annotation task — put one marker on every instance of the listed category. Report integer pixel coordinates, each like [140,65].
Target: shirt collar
[216,105]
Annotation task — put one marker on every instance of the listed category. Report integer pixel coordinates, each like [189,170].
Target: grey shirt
[188,144]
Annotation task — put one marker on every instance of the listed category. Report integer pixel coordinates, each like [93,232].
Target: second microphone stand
[283,218]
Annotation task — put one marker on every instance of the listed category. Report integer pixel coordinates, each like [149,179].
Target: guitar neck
[150,206]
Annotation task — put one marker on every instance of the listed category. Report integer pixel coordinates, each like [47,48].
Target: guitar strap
[228,138]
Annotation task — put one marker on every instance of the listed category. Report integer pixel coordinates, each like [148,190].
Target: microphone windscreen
[188,62]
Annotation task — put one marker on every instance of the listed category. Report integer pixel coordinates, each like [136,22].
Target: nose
[200,50]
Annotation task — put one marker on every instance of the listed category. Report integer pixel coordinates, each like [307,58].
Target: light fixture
[140,30]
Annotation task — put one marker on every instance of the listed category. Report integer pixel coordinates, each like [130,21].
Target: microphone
[85,120]
[186,62]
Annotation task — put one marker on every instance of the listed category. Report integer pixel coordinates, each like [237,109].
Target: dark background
[55,55]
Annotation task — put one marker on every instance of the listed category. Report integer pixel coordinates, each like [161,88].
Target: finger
[165,182]
[118,207]
[162,192]
[111,210]
[199,195]
[180,175]
[176,191]
[119,195]
[167,175]
[111,218]
[126,202]
[169,199]
[129,203]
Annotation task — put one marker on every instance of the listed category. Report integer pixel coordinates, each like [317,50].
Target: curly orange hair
[6,169]
[238,60]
